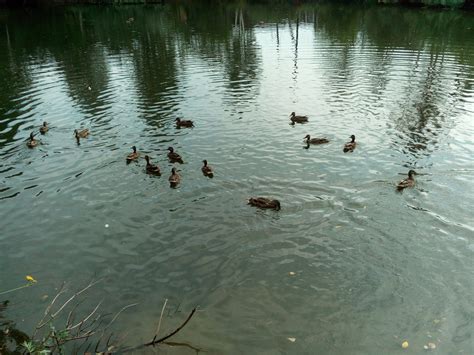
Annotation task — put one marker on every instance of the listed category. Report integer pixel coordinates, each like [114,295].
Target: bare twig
[153,342]
[159,322]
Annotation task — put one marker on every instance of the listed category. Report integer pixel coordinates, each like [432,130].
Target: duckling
[350,146]
[408,182]
[263,202]
[207,170]
[44,128]
[174,178]
[298,119]
[82,133]
[174,157]
[151,168]
[32,142]
[133,156]
[184,123]
[310,140]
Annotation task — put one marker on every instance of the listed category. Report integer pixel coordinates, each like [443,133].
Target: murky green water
[372,266]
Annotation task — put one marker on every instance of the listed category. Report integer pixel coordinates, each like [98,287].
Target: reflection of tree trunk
[80,22]
[278,35]
[8,38]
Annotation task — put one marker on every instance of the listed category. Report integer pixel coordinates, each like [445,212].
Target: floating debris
[292,339]
[291,273]
[405,345]
[106,225]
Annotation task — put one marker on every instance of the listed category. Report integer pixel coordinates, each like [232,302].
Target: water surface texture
[372,266]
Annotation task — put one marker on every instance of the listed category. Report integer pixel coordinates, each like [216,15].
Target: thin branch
[153,342]
[87,318]
[159,322]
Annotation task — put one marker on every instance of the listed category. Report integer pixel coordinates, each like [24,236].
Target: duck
[310,140]
[83,133]
[184,123]
[32,141]
[174,178]
[298,119]
[151,168]
[207,170]
[263,202]
[134,155]
[350,146]
[174,157]
[44,128]
[408,182]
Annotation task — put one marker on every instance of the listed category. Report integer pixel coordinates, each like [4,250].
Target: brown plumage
[408,182]
[174,178]
[350,146]
[151,168]
[32,142]
[184,123]
[207,170]
[298,119]
[263,202]
[310,140]
[44,128]
[83,133]
[174,157]
[133,155]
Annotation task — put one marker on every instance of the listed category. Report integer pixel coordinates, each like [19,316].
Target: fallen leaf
[292,339]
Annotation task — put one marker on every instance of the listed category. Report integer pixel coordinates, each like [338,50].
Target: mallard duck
[44,128]
[350,146]
[298,119]
[150,168]
[83,133]
[184,123]
[263,202]
[174,178]
[408,182]
[174,157]
[207,170]
[32,141]
[310,140]
[133,155]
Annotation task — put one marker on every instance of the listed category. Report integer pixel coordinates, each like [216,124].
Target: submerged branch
[153,342]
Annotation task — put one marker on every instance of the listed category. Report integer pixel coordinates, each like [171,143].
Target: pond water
[372,267]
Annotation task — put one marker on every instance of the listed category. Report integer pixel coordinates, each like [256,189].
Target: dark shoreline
[467,4]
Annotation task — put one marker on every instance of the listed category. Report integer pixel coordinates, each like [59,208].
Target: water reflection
[401,80]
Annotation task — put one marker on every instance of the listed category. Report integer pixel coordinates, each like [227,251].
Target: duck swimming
[174,157]
[298,119]
[310,140]
[32,141]
[408,182]
[263,202]
[44,128]
[133,155]
[184,123]
[350,146]
[207,170]
[151,168]
[174,178]
[82,133]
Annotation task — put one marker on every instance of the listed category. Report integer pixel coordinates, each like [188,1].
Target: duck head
[308,137]
[147,158]
[32,136]
[45,124]
[171,149]
[411,173]
[293,114]
[277,205]
[353,138]
[134,149]
[205,162]
[173,171]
